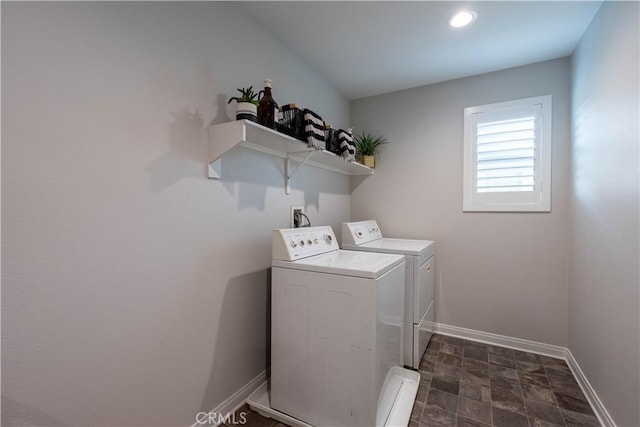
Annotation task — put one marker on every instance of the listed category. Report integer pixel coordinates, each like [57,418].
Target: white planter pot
[247,110]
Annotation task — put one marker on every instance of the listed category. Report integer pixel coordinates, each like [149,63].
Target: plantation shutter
[506,155]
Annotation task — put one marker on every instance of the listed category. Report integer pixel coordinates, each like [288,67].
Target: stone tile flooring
[465,383]
[469,384]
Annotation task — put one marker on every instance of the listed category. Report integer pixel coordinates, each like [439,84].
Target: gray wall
[504,273]
[604,323]
[134,290]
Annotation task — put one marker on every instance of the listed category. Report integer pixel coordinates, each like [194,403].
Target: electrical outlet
[296,218]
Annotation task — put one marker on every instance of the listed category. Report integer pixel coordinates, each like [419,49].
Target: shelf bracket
[214,169]
[287,167]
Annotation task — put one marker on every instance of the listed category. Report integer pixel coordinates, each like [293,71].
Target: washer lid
[346,263]
[395,246]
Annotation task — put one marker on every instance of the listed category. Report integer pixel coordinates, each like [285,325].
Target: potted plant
[247,107]
[368,146]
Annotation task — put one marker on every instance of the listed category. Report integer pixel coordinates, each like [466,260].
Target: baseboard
[596,404]
[539,348]
[502,340]
[237,399]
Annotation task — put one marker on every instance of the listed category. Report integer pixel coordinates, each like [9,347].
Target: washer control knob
[301,242]
[328,239]
[315,241]
[358,233]
[293,244]
[310,241]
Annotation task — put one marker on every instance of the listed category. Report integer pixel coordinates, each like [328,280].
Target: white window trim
[535,201]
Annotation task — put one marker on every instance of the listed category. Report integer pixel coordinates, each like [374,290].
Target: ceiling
[367,48]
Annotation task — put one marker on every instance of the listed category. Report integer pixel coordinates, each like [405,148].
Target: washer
[336,334]
[419,307]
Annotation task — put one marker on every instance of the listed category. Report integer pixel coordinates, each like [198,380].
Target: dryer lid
[395,246]
[367,265]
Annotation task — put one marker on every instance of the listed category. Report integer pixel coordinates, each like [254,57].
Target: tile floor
[469,384]
[465,383]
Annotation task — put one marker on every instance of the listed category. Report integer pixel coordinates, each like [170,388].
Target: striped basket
[314,130]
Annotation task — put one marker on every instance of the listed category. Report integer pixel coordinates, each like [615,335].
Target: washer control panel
[290,244]
[357,233]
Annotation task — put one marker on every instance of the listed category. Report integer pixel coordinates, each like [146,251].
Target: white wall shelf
[225,136]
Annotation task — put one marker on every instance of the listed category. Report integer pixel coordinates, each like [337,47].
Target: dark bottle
[331,140]
[267,107]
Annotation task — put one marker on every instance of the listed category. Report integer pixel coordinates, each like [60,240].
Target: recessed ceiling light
[462,18]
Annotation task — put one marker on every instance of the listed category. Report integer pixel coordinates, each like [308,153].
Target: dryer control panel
[357,233]
[290,244]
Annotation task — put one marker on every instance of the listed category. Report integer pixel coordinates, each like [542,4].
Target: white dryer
[419,306]
[336,333]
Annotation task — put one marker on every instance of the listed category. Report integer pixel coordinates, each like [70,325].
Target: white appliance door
[334,339]
[422,333]
[368,265]
[424,290]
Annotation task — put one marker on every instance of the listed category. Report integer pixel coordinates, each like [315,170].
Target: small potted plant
[247,107]
[368,146]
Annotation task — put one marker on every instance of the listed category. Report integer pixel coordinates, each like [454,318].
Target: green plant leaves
[247,95]
[369,145]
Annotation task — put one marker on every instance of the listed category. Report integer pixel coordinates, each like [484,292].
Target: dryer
[419,305]
[336,333]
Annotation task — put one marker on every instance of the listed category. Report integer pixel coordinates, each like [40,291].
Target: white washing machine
[419,306]
[336,335]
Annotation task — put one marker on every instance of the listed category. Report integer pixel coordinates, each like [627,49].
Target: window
[507,156]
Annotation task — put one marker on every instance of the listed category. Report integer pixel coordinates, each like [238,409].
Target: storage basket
[314,130]
[291,122]
[347,146]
